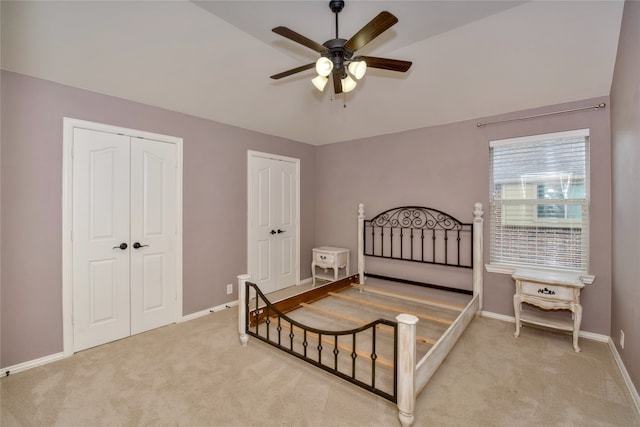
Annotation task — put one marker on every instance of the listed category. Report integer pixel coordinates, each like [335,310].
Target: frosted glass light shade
[357,69]
[320,82]
[324,66]
[348,84]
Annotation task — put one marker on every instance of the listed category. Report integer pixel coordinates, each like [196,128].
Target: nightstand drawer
[325,260]
[545,290]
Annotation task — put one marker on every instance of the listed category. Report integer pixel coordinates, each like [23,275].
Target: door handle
[122,246]
[273,232]
[280,231]
[137,245]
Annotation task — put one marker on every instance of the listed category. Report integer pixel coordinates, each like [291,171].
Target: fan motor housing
[337,53]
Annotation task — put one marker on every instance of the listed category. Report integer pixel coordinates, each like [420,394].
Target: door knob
[122,246]
[137,245]
[280,231]
[273,231]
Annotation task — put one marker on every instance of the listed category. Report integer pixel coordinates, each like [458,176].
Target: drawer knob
[546,291]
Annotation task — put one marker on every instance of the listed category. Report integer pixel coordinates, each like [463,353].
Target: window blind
[539,201]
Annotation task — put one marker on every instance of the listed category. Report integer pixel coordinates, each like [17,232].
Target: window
[539,201]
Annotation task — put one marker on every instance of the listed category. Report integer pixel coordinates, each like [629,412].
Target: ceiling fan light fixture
[337,54]
[324,66]
[358,69]
[348,84]
[320,82]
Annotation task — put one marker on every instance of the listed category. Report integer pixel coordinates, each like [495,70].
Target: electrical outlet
[621,339]
[229,289]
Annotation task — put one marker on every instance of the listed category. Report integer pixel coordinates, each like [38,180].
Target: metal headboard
[419,234]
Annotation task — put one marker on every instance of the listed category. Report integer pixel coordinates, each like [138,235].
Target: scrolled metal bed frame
[410,233]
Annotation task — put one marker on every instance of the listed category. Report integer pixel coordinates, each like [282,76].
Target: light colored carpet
[197,374]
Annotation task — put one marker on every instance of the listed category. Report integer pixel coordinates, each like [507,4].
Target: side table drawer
[325,260]
[545,290]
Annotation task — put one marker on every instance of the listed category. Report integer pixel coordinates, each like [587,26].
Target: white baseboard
[497,316]
[32,364]
[594,337]
[209,311]
[625,374]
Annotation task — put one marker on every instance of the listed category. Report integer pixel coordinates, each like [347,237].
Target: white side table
[327,257]
[550,291]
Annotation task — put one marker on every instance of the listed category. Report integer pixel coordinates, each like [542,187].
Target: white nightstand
[326,257]
[550,291]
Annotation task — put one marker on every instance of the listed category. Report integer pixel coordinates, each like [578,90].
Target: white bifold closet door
[124,232]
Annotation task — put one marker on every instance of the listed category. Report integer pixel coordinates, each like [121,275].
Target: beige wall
[447,168]
[625,126]
[214,212]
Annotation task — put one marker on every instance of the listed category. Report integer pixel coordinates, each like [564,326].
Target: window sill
[587,279]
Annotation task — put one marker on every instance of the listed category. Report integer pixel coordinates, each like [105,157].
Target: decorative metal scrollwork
[419,234]
[416,217]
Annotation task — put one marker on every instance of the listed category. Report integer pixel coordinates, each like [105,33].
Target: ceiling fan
[337,55]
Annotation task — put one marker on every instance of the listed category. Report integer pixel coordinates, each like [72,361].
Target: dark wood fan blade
[373,29]
[293,71]
[337,83]
[299,38]
[386,64]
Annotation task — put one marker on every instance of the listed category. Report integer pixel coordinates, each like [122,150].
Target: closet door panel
[153,235]
[100,238]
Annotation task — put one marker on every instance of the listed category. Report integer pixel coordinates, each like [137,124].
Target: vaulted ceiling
[213,59]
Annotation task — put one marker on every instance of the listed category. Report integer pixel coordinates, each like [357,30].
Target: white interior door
[273,222]
[101,310]
[153,232]
[124,236]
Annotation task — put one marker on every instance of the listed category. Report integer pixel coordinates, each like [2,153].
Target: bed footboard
[363,356]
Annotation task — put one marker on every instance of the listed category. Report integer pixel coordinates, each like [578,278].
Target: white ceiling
[213,59]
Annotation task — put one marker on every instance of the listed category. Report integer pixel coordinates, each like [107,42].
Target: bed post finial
[478,260]
[242,308]
[477,211]
[361,245]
